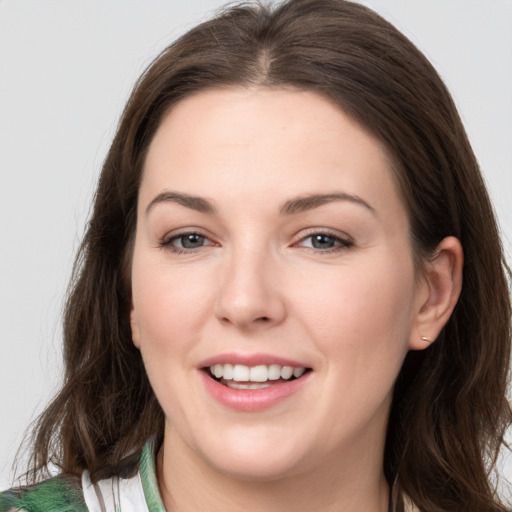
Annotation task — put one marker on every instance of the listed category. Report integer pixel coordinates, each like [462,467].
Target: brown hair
[449,410]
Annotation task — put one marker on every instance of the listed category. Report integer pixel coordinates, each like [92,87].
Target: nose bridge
[248,292]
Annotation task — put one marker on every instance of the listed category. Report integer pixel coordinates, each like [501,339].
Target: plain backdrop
[66,69]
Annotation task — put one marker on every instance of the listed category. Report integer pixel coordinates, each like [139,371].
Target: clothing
[135,491]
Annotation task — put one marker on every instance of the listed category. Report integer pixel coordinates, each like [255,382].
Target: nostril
[246,320]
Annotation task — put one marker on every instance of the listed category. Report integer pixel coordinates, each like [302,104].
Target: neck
[189,484]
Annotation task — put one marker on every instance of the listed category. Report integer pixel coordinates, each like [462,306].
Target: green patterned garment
[56,495]
[138,492]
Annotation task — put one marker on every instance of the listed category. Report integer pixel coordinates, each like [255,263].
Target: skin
[257,284]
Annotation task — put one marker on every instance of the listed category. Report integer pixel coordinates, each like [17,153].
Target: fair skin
[232,265]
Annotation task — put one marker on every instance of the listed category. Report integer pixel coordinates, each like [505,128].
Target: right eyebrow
[193,202]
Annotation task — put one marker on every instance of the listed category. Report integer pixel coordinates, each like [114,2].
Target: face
[272,249]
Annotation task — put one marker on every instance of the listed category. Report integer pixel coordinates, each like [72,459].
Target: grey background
[66,69]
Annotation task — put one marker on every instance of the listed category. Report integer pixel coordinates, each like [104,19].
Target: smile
[253,382]
[239,376]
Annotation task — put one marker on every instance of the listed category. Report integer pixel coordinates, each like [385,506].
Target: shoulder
[60,494]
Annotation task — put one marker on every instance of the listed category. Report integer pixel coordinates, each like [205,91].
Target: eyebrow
[193,202]
[310,202]
[290,207]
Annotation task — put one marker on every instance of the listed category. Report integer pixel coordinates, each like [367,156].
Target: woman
[291,294]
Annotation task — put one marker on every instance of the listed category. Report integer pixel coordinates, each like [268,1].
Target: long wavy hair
[449,411]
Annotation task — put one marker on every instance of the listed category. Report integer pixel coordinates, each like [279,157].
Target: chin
[256,453]
[256,466]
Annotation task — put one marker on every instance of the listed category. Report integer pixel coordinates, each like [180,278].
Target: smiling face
[272,249]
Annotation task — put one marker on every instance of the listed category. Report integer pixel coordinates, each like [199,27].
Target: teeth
[253,385]
[240,373]
[286,372]
[258,374]
[228,371]
[218,371]
[274,372]
[297,372]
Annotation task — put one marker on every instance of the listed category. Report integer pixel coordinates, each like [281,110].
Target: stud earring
[427,339]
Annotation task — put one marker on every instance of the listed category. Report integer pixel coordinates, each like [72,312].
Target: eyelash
[167,243]
[340,243]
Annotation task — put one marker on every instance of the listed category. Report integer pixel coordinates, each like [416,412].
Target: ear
[135,327]
[438,293]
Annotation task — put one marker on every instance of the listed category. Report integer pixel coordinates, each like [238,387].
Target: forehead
[264,141]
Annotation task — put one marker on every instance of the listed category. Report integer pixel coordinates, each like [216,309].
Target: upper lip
[251,360]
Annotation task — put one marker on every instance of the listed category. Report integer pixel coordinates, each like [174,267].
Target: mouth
[239,376]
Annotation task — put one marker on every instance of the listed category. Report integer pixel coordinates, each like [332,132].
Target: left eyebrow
[309,202]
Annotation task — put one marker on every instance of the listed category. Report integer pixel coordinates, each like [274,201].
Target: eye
[189,241]
[185,242]
[325,242]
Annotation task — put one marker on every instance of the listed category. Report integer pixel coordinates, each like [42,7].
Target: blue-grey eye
[322,241]
[325,242]
[191,240]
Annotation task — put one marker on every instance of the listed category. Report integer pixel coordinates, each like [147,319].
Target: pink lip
[252,400]
[250,360]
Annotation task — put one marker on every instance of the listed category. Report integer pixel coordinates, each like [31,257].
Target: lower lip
[252,400]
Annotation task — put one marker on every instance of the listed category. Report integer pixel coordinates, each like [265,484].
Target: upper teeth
[260,373]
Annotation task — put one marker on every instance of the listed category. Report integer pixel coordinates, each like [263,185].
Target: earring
[427,339]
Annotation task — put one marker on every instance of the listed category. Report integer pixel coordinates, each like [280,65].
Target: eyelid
[345,240]
[166,241]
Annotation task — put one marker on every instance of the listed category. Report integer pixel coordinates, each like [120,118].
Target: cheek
[169,305]
[363,315]
[169,309]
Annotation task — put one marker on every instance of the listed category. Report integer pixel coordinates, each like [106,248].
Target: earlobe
[443,279]
[134,327]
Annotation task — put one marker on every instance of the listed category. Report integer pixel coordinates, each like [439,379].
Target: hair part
[449,410]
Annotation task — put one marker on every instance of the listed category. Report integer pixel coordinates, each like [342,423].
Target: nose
[249,295]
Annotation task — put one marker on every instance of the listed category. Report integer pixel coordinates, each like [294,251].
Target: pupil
[192,241]
[322,241]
